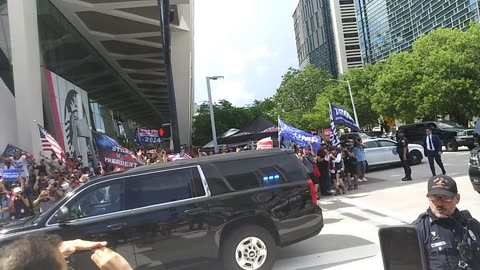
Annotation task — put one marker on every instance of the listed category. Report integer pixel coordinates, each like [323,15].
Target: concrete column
[22,16]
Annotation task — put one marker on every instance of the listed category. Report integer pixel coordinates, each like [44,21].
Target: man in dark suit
[433,150]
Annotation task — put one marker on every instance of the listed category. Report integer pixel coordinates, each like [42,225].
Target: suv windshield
[450,124]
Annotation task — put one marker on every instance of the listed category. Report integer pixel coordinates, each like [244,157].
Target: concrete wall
[8,117]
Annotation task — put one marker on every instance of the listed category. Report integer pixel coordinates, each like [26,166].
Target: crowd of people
[42,183]
[334,169]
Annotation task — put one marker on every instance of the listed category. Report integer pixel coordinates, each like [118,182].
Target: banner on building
[340,116]
[299,136]
[112,153]
[71,108]
[145,136]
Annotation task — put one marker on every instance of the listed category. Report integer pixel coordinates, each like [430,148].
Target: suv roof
[199,160]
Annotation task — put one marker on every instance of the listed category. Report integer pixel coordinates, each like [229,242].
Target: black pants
[406,168]
[438,158]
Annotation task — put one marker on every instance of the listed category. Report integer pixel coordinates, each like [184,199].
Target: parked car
[381,152]
[354,136]
[474,168]
[234,207]
[451,133]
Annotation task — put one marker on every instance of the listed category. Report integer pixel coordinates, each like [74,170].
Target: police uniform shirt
[402,142]
[441,236]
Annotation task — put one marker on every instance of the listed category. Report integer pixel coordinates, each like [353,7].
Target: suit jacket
[437,144]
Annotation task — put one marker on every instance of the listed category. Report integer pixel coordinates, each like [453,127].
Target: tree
[227,116]
[361,82]
[263,108]
[297,95]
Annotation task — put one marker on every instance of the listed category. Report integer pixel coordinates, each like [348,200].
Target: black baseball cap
[442,185]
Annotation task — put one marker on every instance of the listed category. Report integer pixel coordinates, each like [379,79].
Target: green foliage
[297,95]
[228,116]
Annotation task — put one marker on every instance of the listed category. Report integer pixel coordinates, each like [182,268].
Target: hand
[70,247]
[106,259]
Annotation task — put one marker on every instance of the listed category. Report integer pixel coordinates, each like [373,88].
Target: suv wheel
[249,248]
[451,145]
[415,157]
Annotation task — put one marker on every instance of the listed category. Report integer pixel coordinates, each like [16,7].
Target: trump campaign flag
[299,136]
[340,116]
[110,152]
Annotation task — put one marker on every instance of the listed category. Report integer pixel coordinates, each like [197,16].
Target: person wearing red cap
[451,238]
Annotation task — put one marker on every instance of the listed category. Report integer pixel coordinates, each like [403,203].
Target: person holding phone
[450,237]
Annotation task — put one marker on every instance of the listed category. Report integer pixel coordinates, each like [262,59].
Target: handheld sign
[10,175]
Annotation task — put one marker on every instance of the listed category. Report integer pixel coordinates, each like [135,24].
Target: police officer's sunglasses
[440,198]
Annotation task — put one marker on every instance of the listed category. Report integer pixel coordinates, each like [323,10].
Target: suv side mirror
[62,214]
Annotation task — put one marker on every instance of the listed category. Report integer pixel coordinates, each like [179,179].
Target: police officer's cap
[442,185]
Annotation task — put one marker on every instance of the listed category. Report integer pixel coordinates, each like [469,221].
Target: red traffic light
[161,132]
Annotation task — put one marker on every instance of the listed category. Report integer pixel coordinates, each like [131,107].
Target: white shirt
[430,146]
[21,164]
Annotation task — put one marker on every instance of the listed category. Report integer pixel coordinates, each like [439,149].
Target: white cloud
[233,91]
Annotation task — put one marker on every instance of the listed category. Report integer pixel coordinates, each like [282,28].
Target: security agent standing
[402,150]
[433,150]
[451,238]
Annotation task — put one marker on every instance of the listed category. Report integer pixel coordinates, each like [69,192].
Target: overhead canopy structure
[114,50]
[257,129]
[226,134]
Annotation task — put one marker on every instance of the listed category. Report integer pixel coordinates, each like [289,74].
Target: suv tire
[249,245]
[451,145]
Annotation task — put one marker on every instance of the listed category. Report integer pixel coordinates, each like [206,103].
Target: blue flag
[341,116]
[299,136]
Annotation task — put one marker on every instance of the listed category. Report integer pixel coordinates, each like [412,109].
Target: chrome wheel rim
[251,253]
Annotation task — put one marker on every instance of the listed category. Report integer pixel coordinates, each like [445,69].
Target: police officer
[402,151]
[451,238]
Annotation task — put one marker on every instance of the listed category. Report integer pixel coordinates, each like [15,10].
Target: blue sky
[250,42]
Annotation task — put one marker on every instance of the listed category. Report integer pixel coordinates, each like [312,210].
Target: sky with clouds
[250,42]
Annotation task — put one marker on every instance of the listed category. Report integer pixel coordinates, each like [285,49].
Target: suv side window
[98,200]
[261,172]
[163,187]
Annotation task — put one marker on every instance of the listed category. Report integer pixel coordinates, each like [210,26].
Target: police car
[382,152]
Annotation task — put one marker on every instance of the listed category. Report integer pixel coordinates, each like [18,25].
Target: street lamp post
[351,98]
[212,117]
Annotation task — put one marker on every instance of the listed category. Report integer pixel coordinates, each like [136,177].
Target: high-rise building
[345,30]
[326,35]
[388,26]
[314,35]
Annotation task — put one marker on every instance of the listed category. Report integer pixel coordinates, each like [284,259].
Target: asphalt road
[349,239]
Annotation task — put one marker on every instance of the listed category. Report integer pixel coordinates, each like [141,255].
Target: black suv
[474,168]
[236,207]
[451,133]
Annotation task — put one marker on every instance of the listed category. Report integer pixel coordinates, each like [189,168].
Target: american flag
[50,144]
[334,140]
[187,156]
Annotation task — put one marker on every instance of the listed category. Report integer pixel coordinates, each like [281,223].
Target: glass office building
[388,26]
[314,35]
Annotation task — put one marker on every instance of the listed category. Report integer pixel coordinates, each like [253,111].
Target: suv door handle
[116,226]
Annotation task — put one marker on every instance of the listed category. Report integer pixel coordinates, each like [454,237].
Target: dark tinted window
[101,199]
[350,35]
[163,187]
[260,172]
